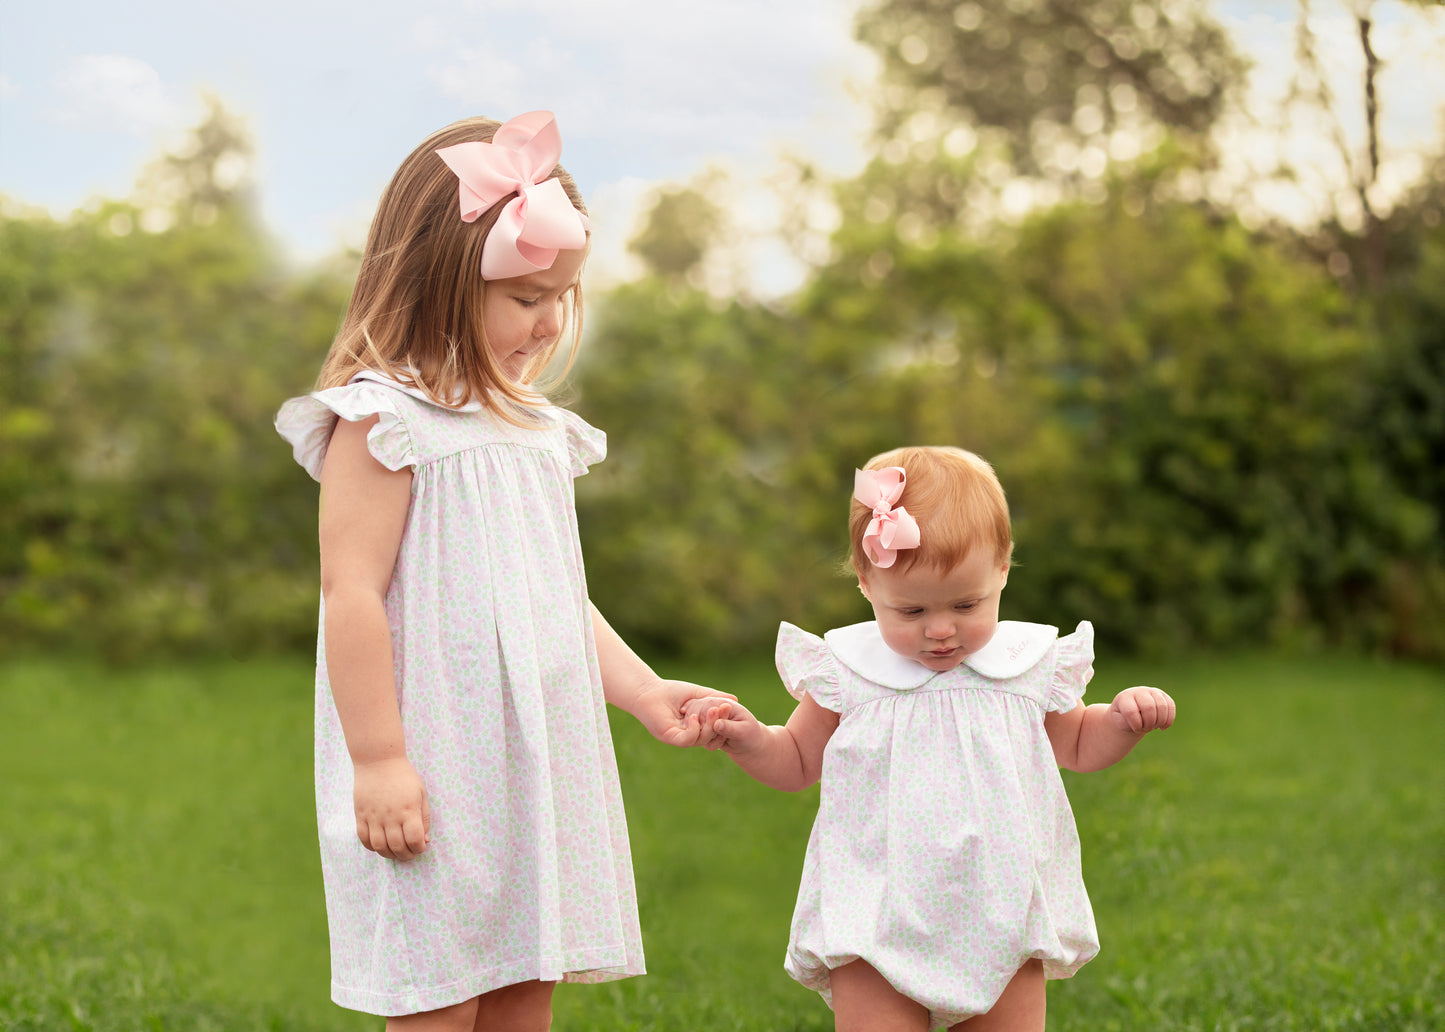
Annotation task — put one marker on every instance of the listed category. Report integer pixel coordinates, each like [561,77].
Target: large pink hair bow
[891,530]
[540,220]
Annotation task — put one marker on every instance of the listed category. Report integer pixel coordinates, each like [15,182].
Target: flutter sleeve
[307,423]
[586,445]
[808,667]
[1074,668]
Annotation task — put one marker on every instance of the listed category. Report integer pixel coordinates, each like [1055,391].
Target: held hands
[393,817]
[672,712]
[724,724]
[1140,710]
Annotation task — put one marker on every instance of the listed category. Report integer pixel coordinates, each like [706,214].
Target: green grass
[1277,861]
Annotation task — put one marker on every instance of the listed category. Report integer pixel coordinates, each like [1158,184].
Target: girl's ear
[863,587]
[1003,575]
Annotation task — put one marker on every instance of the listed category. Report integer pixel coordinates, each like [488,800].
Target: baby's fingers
[1164,709]
[1148,709]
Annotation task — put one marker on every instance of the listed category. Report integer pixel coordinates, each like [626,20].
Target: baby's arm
[1093,737]
[630,684]
[789,757]
[363,511]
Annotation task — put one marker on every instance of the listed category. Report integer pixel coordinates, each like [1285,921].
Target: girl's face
[937,619]
[523,315]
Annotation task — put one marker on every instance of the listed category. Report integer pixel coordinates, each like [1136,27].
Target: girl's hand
[663,709]
[393,817]
[1141,709]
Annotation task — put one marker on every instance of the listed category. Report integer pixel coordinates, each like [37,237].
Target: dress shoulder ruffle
[586,445]
[308,422]
[808,667]
[1073,670]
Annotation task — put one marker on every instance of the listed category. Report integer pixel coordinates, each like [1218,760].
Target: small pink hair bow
[540,220]
[891,530]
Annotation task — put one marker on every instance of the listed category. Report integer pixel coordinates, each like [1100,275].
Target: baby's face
[937,619]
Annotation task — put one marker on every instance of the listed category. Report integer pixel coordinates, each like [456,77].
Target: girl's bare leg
[460,1018]
[865,1001]
[524,1007]
[1019,1009]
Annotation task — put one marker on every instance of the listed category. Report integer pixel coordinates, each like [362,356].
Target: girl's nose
[938,629]
[549,322]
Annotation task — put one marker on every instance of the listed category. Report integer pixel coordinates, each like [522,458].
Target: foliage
[677,230]
[146,502]
[1042,81]
[1212,433]
[691,535]
[1168,398]
[1272,861]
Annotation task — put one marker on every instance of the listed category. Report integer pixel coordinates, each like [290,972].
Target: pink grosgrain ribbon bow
[891,530]
[540,220]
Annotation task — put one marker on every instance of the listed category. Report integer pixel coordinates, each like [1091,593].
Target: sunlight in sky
[645,91]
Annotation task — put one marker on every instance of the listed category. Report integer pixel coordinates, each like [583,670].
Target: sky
[646,92]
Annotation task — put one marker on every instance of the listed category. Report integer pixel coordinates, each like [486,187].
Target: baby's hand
[704,714]
[1141,709]
[729,723]
[674,711]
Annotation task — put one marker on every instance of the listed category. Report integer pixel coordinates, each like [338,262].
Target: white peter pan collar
[1014,648]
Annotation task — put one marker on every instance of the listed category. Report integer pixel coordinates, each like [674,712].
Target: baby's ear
[863,587]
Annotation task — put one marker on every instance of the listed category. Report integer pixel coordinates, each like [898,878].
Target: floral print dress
[529,873]
[944,851]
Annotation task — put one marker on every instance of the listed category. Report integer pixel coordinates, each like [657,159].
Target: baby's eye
[966,607]
[913,612]
[528,302]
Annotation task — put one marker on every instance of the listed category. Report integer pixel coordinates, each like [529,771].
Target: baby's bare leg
[865,1001]
[1019,1009]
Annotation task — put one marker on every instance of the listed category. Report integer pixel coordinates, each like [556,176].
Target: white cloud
[8,87]
[724,78]
[648,92]
[115,93]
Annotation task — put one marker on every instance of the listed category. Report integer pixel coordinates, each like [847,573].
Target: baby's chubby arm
[1089,738]
[788,757]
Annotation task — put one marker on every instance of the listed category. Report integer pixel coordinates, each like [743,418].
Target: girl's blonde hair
[416,310]
[956,499]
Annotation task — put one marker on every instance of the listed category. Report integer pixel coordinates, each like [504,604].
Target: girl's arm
[363,511]
[787,757]
[630,684]
[1093,737]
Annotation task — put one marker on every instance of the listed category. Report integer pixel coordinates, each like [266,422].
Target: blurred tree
[1163,393]
[691,541]
[1404,424]
[1051,88]
[677,231]
[155,339]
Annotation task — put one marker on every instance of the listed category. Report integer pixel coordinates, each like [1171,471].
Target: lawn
[1276,861]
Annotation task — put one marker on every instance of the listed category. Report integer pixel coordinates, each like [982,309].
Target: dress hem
[582,971]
